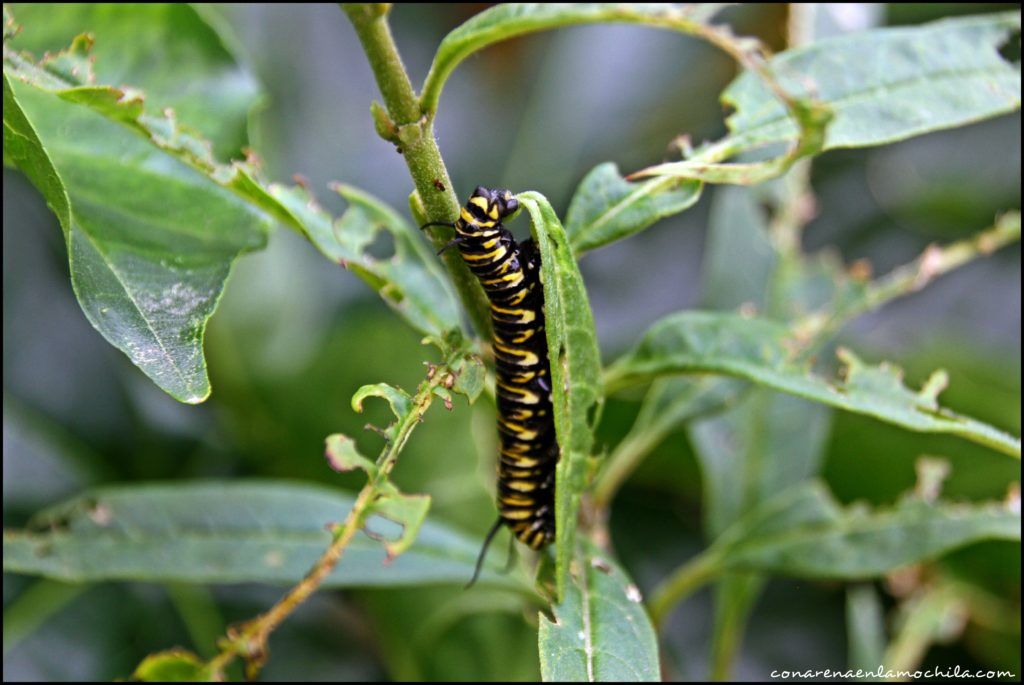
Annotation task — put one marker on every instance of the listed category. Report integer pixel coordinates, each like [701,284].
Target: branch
[404,125]
[249,639]
[909,278]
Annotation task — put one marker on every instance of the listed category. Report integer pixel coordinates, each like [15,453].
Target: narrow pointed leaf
[211,532]
[895,83]
[601,631]
[575,369]
[764,352]
[606,207]
[805,533]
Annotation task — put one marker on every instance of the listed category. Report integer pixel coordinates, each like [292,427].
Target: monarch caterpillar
[510,275]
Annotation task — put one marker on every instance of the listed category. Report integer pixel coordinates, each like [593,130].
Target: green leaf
[471,378]
[69,75]
[398,399]
[343,456]
[769,441]
[169,50]
[739,259]
[895,83]
[763,351]
[173,666]
[865,627]
[509,20]
[601,632]
[606,207]
[408,511]
[409,279]
[805,533]
[23,149]
[150,241]
[759,448]
[211,532]
[936,613]
[575,370]
[147,283]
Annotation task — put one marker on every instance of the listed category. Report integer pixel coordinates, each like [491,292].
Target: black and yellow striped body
[510,275]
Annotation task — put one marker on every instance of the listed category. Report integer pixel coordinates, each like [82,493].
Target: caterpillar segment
[509,273]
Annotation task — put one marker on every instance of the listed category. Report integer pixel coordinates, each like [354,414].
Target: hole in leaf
[382,246]
[382,528]
[1009,49]
[592,413]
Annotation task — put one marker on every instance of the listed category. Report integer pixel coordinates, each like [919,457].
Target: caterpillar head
[488,204]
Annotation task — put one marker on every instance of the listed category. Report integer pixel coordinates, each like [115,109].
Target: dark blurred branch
[413,134]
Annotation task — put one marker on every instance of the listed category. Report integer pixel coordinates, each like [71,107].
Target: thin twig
[412,133]
[249,639]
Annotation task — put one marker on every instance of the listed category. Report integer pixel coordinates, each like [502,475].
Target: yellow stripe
[496,255]
[519,297]
[520,432]
[525,315]
[527,396]
[517,500]
[529,358]
[515,278]
[523,462]
[524,336]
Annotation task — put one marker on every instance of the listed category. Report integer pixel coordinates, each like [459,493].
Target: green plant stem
[656,420]
[406,127]
[249,639]
[936,614]
[735,595]
[199,613]
[623,461]
[688,578]
[932,263]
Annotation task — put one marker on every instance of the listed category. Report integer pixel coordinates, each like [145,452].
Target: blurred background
[295,336]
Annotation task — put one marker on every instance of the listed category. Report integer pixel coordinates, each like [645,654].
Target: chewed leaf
[206,86]
[151,236]
[606,207]
[174,666]
[74,63]
[765,351]
[146,283]
[805,533]
[342,455]
[409,280]
[408,511]
[398,399]
[601,631]
[918,79]
[230,532]
[470,378]
[886,379]
[575,370]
